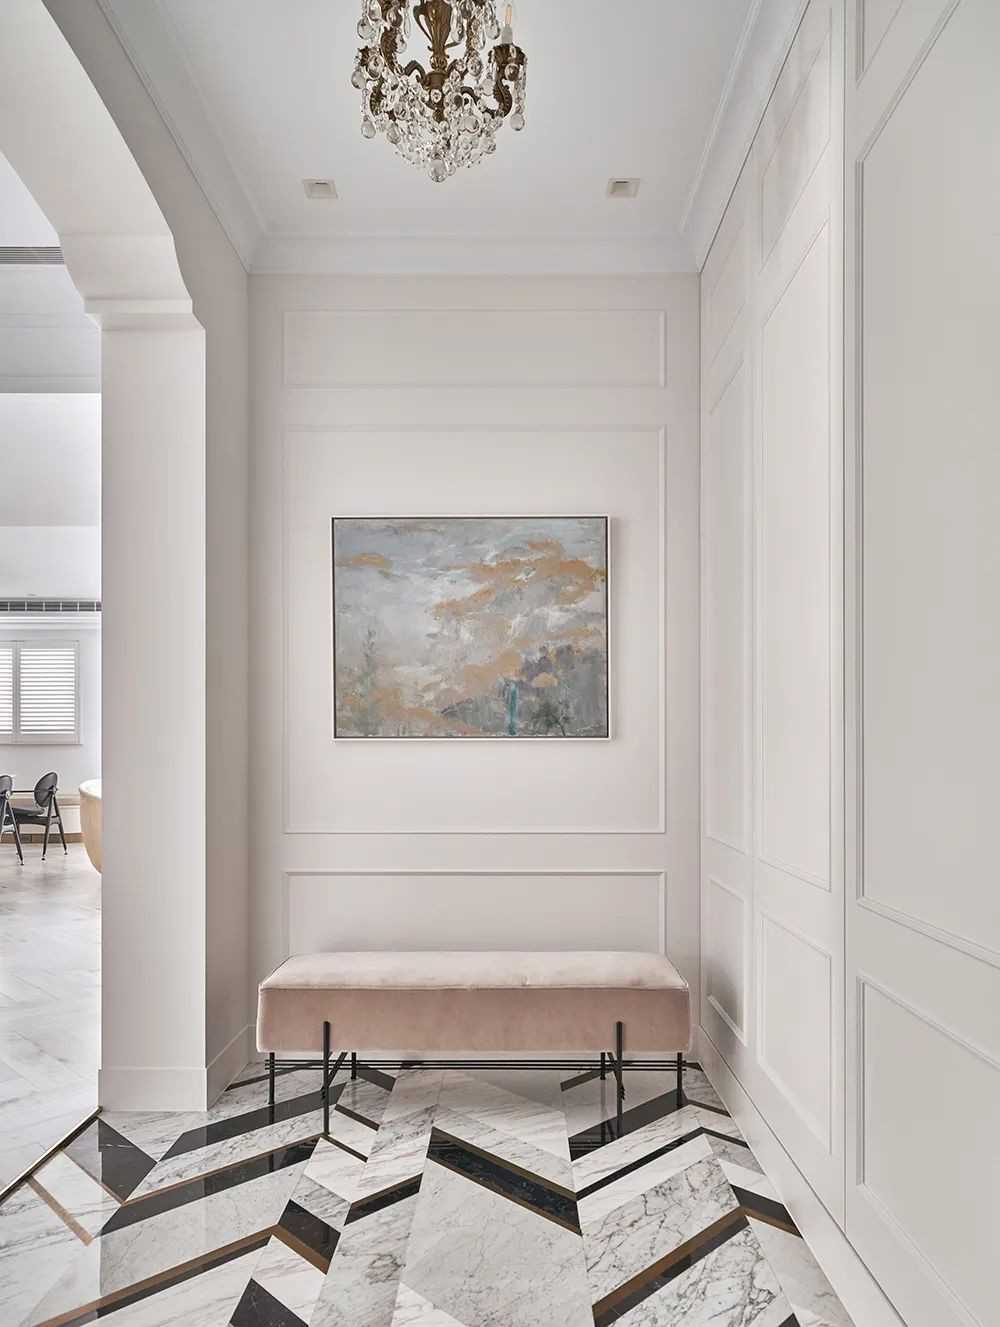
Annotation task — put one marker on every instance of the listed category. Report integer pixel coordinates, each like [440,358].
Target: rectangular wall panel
[798,150]
[475,347]
[793,594]
[929,1156]
[475,910]
[932,494]
[725,974]
[795,1011]
[725,567]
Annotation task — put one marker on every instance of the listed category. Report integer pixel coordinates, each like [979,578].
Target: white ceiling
[258,95]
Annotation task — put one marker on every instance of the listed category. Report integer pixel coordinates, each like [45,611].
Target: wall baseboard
[152,1088]
[155,1088]
[230,1061]
[859,1292]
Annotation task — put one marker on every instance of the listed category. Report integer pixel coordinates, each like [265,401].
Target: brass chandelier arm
[446,115]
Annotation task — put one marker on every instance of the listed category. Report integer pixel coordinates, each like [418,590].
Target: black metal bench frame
[613,1061]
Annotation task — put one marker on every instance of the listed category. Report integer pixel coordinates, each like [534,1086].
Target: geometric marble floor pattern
[438,1199]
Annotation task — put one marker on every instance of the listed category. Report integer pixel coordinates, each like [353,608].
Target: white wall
[372,396]
[73,764]
[50,548]
[923,918]
[218,285]
[772,808]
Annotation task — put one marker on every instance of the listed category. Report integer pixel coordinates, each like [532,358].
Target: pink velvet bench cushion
[475,1003]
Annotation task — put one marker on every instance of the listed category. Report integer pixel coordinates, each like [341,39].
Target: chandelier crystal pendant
[447,116]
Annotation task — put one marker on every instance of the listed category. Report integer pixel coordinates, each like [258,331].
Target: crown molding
[447,255]
[760,53]
[165,73]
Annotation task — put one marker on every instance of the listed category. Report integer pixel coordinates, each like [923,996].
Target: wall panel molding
[418,875]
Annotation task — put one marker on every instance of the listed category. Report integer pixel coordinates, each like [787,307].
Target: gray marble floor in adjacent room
[438,1199]
[50,977]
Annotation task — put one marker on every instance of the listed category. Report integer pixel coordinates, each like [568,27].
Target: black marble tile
[259,1308]
[111,1159]
[192,1191]
[491,1172]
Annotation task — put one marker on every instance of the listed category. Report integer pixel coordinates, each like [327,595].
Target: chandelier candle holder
[445,117]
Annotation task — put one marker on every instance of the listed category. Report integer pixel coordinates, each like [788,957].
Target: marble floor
[438,1199]
[50,976]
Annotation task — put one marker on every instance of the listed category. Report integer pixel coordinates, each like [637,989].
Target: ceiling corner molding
[763,46]
[164,72]
[468,255]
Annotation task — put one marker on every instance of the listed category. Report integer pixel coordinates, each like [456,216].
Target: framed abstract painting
[471,627]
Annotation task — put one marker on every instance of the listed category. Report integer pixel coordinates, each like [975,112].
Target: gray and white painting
[471,627]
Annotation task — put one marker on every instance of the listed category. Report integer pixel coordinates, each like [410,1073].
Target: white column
[154,880]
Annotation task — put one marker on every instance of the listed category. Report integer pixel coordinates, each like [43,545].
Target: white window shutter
[7,690]
[47,693]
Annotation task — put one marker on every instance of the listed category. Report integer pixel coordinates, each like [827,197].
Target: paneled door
[923,674]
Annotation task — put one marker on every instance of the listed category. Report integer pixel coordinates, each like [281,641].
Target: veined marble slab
[811,1295]
[289,1278]
[363,1281]
[334,1170]
[412,1310]
[606,1160]
[732,1286]
[507,1146]
[397,1154]
[76,1192]
[486,1260]
[128,1256]
[207,1300]
[532,1121]
[635,1236]
[596,1206]
[36,1248]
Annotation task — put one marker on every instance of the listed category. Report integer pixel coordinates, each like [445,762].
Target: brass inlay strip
[65,1217]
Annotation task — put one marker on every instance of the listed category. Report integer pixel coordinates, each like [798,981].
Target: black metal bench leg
[270,1079]
[326,1078]
[620,1070]
[680,1079]
[604,1066]
[354,1066]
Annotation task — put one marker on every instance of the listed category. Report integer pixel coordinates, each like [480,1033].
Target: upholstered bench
[479,1004]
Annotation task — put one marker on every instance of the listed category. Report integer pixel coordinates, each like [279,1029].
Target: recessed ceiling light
[622,188]
[324,190]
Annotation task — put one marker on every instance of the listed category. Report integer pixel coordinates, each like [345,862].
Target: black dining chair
[7,820]
[46,806]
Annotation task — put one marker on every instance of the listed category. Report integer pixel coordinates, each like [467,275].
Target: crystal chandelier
[446,116]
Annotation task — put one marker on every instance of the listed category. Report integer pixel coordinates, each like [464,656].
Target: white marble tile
[506,1146]
[287,1276]
[412,1310]
[365,1098]
[231,1151]
[732,1286]
[321,1202]
[76,1192]
[604,1161]
[398,1152]
[533,1121]
[753,1180]
[635,1236]
[335,1170]
[491,1263]
[597,1100]
[156,1132]
[802,1279]
[415,1089]
[130,1255]
[363,1281]
[596,1206]
[36,1248]
[737,1153]
[208,1300]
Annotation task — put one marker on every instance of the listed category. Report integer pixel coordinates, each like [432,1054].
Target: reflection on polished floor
[50,977]
[487,1199]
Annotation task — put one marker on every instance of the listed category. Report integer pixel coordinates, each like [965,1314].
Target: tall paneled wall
[466,396]
[772,634]
[923,713]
